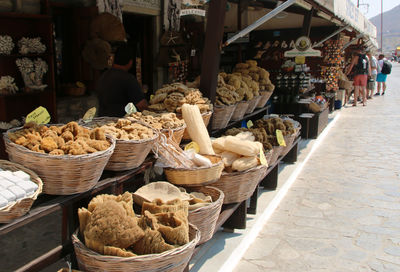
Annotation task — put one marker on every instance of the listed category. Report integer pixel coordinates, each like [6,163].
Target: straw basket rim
[220,198]
[237,173]
[147,257]
[55,157]
[201,167]
[155,131]
[26,201]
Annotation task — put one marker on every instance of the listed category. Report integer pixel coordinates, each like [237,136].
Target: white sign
[303,48]
[199,12]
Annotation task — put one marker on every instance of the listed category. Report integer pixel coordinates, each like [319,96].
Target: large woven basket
[62,175]
[22,206]
[289,139]
[239,186]
[177,133]
[196,176]
[252,104]
[128,154]
[174,260]
[240,111]
[276,152]
[206,119]
[222,115]
[264,97]
[205,218]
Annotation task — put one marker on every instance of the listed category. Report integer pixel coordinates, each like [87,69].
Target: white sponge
[8,195]
[17,191]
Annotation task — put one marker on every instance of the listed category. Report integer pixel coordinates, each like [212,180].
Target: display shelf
[33,55]
[17,15]
[47,204]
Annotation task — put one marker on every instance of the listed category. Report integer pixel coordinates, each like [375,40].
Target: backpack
[362,65]
[386,68]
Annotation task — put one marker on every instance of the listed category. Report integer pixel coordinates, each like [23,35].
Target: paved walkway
[343,211]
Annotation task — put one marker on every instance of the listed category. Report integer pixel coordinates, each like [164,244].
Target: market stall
[158,184]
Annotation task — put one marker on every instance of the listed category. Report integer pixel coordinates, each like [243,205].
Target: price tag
[193,52]
[193,145]
[130,108]
[250,124]
[279,137]
[89,115]
[38,116]
[263,160]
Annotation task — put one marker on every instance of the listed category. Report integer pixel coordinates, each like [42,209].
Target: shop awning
[347,11]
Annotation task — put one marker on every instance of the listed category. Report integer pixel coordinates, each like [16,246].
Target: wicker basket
[62,175]
[206,119]
[240,111]
[205,218]
[128,154]
[197,176]
[289,139]
[276,152]
[252,104]
[222,115]
[177,133]
[239,186]
[174,260]
[265,95]
[22,206]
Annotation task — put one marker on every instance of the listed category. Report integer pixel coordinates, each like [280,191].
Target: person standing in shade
[117,87]
[381,78]
[374,72]
[362,69]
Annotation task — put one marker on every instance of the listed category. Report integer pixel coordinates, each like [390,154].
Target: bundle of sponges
[125,129]
[158,120]
[171,98]
[238,152]
[272,124]
[109,226]
[70,139]
[244,86]
[258,74]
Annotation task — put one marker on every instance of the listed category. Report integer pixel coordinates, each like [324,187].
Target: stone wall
[73,108]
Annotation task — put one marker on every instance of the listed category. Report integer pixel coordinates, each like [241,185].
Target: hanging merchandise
[177,71]
[172,14]
[110,6]
[108,27]
[333,63]
[138,65]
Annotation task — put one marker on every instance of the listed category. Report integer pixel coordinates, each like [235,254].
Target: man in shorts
[362,69]
[381,78]
[374,72]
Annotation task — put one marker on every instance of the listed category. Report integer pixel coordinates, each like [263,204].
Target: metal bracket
[330,36]
[350,42]
[260,21]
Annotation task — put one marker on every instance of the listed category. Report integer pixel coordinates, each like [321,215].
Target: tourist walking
[384,68]
[362,69]
[371,86]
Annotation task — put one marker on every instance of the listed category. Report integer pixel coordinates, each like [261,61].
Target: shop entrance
[139,29]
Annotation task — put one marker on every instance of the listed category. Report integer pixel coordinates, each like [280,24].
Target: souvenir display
[7,85]
[6,45]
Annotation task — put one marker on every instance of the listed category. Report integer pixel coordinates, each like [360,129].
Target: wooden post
[307,23]
[212,48]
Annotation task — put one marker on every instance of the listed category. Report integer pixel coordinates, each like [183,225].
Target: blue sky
[374,6]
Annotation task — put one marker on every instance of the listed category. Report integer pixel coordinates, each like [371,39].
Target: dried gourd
[242,147]
[196,128]
[246,135]
[229,157]
[244,163]
[219,144]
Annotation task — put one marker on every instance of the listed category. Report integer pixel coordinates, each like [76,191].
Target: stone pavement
[343,211]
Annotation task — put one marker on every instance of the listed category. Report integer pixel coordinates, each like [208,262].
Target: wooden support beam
[307,23]
[212,48]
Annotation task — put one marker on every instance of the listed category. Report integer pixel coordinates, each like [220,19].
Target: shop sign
[303,48]
[198,12]
[348,11]
[154,5]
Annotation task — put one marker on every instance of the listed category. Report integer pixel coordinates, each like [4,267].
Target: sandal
[383,93]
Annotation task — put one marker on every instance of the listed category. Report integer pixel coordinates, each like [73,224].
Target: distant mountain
[391,28]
